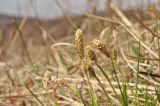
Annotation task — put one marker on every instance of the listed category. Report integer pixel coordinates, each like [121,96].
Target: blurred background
[49,10]
[57,15]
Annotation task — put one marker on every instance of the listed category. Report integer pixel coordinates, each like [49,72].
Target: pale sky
[48,9]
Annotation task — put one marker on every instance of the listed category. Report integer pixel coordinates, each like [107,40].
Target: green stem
[101,85]
[112,61]
[106,76]
[137,101]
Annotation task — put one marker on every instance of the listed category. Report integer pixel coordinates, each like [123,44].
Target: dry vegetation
[108,60]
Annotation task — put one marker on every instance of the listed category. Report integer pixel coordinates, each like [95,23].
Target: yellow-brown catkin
[88,68]
[115,54]
[63,82]
[46,79]
[101,47]
[79,43]
[91,53]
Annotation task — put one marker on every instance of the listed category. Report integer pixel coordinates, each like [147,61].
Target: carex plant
[87,53]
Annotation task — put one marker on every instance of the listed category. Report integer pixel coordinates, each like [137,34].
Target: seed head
[46,79]
[115,54]
[88,68]
[91,53]
[101,47]
[79,43]
[63,82]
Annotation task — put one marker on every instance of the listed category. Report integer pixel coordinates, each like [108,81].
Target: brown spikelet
[101,47]
[115,54]
[88,68]
[63,82]
[79,43]
[46,79]
[91,53]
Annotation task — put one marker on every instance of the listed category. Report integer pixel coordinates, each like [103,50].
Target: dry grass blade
[2,64]
[93,16]
[121,15]
[71,101]
[135,17]
[42,104]
[142,76]
[17,34]
[59,3]
[154,11]
[143,58]
[135,35]
[150,74]
[62,44]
